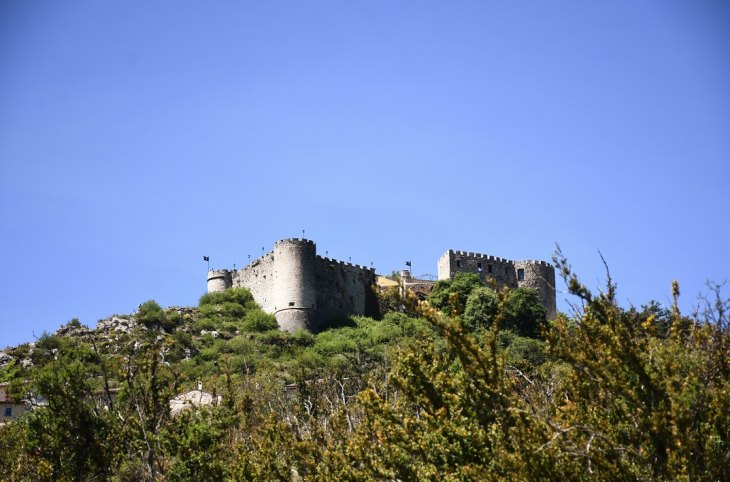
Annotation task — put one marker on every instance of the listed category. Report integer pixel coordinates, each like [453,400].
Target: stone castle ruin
[305,290]
[300,288]
[537,275]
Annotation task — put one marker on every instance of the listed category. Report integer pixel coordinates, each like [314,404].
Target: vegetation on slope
[455,392]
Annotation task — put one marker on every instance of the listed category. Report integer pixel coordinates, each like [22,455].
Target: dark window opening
[489,268]
[8,411]
[506,271]
[520,274]
[458,263]
[291,303]
[479,266]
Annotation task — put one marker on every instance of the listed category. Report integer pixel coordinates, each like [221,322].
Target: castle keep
[300,288]
[537,275]
[304,290]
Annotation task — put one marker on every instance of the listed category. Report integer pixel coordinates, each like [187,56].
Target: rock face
[70,330]
[5,359]
[191,399]
[116,323]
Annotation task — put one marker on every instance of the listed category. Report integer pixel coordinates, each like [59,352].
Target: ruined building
[304,290]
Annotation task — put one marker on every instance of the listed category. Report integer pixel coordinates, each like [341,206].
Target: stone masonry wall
[540,276]
[302,289]
[537,275]
[219,280]
[295,297]
[344,289]
[258,278]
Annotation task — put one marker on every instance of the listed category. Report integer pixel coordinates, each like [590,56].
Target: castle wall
[304,290]
[501,270]
[537,275]
[344,289]
[258,278]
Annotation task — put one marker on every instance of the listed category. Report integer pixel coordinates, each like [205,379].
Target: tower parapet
[219,280]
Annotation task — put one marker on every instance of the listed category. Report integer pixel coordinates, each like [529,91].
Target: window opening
[458,263]
[291,303]
[489,268]
[479,266]
[520,274]
[8,411]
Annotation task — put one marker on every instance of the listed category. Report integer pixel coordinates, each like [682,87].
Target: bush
[524,313]
[258,321]
[524,353]
[463,284]
[232,295]
[233,310]
[481,306]
[150,314]
[205,324]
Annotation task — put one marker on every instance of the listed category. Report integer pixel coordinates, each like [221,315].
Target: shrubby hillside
[475,384]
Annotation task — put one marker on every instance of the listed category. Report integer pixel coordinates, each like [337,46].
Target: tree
[524,313]
[462,284]
[481,307]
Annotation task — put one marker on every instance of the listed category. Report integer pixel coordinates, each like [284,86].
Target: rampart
[301,289]
[537,275]
[304,290]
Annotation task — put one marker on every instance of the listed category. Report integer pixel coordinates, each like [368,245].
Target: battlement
[345,264]
[535,262]
[296,241]
[496,259]
[304,290]
[220,273]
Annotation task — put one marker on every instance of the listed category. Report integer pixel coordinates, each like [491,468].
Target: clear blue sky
[137,137]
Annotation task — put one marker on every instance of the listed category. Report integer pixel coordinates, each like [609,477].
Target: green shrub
[481,306]
[183,338]
[303,338]
[524,353]
[463,284]
[330,343]
[233,295]
[233,310]
[524,313]
[151,314]
[258,321]
[205,324]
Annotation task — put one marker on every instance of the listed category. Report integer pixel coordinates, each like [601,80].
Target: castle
[304,290]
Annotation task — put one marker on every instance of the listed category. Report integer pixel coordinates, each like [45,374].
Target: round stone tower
[219,280]
[295,297]
[539,276]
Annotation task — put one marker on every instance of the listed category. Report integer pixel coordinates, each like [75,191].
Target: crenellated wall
[304,290]
[219,280]
[344,289]
[537,275]
[258,278]
[301,289]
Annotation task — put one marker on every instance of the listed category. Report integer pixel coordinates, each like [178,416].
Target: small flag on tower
[408,263]
[206,258]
